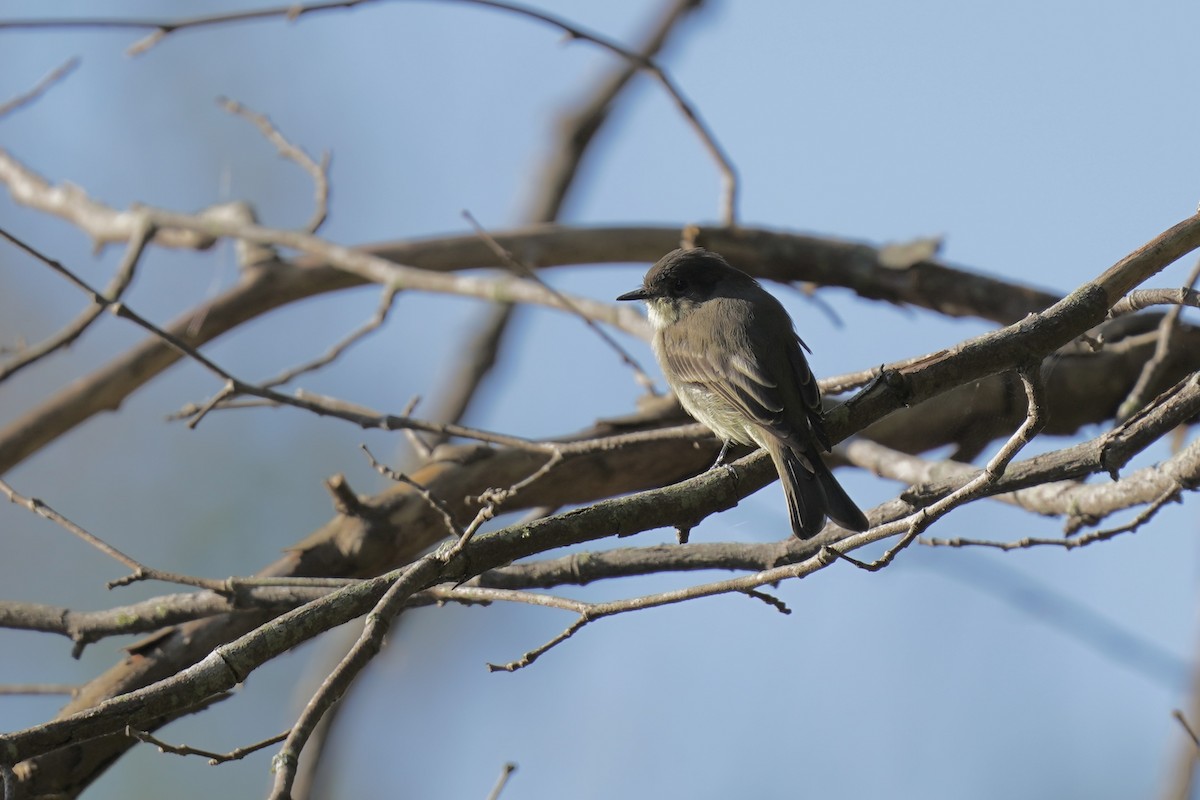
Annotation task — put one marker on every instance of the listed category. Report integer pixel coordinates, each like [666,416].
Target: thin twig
[153,614]
[536,653]
[230,389]
[370,641]
[112,293]
[415,440]
[1177,714]
[368,644]
[524,269]
[841,384]
[435,503]
[770,599]
[501,496]
[235,386]
[590,612]
[318,172]
[309,783]
[38,688]
[1154,367]
[1140,299]
[492,499]
[1170,495]
[576,130]
[505,773]
[162,28]
[39,88]
[1035,420]
[219,222]
[139,571]
[479,353]
[213,758]
[690,113]
[485,595]
[386,302]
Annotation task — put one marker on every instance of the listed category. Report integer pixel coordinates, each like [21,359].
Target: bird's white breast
[716,414]
[661,313]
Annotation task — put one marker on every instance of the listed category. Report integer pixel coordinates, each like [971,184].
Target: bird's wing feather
[742,380]
[738,381]
[810,392]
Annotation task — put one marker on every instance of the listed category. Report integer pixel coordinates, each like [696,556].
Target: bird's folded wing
[744,384]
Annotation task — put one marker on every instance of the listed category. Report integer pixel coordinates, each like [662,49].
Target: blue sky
[1043,141]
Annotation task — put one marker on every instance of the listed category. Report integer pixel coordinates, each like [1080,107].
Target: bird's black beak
[636,294]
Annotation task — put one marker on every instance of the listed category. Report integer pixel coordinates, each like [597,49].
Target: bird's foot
[720,456]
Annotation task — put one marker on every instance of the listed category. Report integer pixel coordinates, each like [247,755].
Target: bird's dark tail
[813,493]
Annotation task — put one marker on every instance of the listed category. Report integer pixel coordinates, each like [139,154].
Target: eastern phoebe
[731,354]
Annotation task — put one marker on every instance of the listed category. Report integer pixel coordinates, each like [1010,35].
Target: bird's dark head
[682,280]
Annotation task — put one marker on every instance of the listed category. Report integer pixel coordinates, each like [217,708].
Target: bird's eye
[679,285]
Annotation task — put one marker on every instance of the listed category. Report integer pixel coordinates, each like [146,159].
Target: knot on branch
[348,503]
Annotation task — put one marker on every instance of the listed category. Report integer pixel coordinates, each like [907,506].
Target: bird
[730,353]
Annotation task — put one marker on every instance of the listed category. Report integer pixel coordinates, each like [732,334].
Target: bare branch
[37,688]
[537,652]
[578,128]
[440,507]
[1154,367]
[1142,518]
[1178,715]
[770,599]
[368,645]
[162,28]
[308,783]
[213,758]
[502,781]
[85,627]
[370,642]
[386,302]
[374,269]
[112,293]
[103,224]
[234,386]
[994,352]
[39,88]
[479,353]
[1035,416]
[1108,453]
[140,571]
[685,106]
[219,672]
[1140,299]
[318,172]
[524,269]
[415,440]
